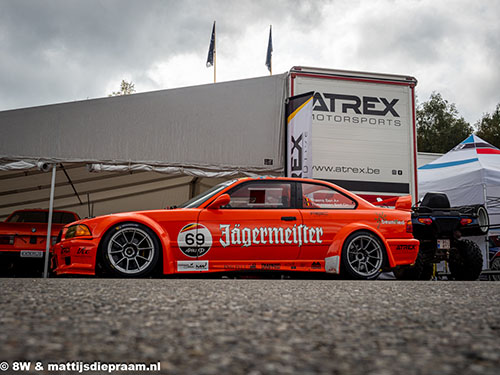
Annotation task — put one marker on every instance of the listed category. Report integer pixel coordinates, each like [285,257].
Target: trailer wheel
[466,262]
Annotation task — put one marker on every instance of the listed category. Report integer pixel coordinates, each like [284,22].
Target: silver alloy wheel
[130,250]
[365,255]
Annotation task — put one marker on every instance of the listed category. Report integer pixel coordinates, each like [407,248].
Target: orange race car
[282,224]
[23,237]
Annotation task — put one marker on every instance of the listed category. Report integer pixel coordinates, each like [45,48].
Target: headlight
[78,230]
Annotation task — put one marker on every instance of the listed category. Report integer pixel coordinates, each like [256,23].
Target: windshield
[41,217]
[203,197]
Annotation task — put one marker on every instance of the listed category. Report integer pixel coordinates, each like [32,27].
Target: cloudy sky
[64,50]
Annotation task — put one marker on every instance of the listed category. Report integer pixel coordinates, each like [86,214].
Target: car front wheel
[130,250]
[362,256]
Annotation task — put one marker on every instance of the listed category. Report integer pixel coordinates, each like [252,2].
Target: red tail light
[7,240]
[425,220]
[465,222]
[409,227]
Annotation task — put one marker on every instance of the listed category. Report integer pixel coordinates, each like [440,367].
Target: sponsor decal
[65,250]
[299,129]
[193,265]
[270,266]
[332,264]
[366,105]
[406,247]
[343,169]
[82,251]
[296,154]
[353,109]
[244,236]
[194,240]
[382,220]
[316,266]
[235,267]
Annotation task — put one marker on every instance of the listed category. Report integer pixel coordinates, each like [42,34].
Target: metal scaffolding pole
[49,224]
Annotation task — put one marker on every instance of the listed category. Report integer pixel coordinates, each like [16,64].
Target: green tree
[488,128]
[126,88]
[439,126]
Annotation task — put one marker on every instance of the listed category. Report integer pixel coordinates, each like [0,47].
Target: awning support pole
[49,224]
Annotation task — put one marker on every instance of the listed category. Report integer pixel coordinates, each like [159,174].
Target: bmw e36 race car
[23,237]
[265,224]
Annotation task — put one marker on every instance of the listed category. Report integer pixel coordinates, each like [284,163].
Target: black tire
[419,271]
[129,250]
[363,256]
[466,261]
[495,266]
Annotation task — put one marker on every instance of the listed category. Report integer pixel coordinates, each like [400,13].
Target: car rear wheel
[363,256]
[130,250]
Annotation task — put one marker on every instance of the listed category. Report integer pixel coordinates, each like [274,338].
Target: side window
[260,194]
[321,196]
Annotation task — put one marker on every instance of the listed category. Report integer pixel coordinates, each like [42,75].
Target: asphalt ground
[246,326]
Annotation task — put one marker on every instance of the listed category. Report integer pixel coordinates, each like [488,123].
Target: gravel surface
[227,326]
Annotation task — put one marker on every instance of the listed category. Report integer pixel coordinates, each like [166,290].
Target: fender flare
[162,235]
[335,248]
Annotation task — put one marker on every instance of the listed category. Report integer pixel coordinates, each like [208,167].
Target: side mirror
[404,203]
[223,200]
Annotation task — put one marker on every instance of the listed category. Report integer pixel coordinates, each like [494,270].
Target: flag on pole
[211,49]
[299,110]
[269,56]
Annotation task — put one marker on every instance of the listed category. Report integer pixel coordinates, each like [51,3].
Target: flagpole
[215,54]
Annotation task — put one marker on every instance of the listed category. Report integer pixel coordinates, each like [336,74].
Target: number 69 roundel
[194,240]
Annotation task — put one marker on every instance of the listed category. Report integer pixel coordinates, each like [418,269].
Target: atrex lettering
[365,105]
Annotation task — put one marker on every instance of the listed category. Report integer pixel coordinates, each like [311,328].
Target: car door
[324,212]
[259,223]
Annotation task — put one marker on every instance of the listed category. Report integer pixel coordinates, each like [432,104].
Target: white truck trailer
[363,130]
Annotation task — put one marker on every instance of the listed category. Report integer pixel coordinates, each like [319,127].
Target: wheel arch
[335,248]
[160,233]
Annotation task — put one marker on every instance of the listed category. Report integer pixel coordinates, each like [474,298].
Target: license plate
[31,254]
[443,244]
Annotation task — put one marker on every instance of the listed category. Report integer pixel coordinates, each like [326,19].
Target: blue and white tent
[468,174]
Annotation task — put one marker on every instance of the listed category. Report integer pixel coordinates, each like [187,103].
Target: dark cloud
[63,50]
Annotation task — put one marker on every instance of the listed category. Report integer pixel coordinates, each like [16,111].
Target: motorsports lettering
[352,105]
[244,237]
